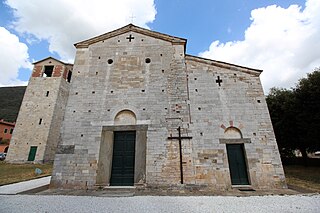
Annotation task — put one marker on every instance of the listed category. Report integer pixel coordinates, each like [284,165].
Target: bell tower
[41,113]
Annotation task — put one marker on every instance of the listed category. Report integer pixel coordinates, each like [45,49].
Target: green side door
[32,153]
[237,164]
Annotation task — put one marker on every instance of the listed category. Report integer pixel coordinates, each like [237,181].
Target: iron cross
[130,38]
[180,151]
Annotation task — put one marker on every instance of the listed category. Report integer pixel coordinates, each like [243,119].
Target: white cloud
[64,23]
[284,42]
[13,55]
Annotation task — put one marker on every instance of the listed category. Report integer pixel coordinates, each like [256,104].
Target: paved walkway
[20,187]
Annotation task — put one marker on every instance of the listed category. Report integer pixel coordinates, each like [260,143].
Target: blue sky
[278,36]
[202,21]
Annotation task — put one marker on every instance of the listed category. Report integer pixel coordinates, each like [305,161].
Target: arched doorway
[236,157]
[122,155]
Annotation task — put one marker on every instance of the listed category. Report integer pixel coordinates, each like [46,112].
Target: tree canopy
[11,99]
[295,115]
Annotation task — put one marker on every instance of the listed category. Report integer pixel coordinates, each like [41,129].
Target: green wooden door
[122,173]
[32,153]
[237,164]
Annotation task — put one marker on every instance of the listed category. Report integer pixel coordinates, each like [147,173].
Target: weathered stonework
[45,99]
[148,84]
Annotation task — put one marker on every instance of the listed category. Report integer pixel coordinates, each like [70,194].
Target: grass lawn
[304,177]
[12,173]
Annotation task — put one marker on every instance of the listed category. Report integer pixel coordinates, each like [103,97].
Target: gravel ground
[144,204]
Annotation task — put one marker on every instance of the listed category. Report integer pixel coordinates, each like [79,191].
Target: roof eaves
[127,28]
[36,62]
[225,65]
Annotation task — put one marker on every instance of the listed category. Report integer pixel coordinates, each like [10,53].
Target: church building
[135,110]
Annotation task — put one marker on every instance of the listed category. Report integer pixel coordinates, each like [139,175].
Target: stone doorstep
[119,187]
[118,191]
[243,187]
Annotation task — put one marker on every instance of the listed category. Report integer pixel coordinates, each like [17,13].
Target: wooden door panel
[237,164]
[122,173]
[32,153]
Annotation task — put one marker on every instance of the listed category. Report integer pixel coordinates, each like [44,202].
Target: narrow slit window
[47,94]
[69,76]
[48,70]
[40,121]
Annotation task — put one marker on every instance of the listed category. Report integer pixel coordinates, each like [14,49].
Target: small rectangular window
[40,121]
[5,130]
[69,76]
[47,94]
[11,131]
[48,70]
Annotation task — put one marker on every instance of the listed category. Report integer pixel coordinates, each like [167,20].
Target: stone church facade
[141,112]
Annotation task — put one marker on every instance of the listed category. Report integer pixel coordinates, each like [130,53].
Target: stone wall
[40,116]
[155,92]
[164,89]
[238,102]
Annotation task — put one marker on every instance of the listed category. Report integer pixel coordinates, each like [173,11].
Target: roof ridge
[127,28]
[7,122]
[50,57]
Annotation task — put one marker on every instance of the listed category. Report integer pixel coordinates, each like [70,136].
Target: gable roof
[48,58]
[131,28]
[165,37]
[225,65]
[7,123]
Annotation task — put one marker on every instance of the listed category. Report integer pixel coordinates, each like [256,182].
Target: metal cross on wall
[219,81]
[130,38]
[180,151]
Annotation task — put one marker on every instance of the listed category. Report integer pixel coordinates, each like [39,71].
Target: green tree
[281,104]
[295,115]
[307,93]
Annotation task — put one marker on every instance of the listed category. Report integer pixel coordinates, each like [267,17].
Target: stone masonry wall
[238,102]
[171,90]
[58,115]
[39,120]
[155,92]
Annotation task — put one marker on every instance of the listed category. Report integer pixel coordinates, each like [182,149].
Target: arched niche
[232,133]
[125,117]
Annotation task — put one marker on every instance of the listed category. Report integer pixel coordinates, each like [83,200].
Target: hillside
[10,102]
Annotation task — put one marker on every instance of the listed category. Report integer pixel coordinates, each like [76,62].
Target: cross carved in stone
[219,81]
[130,38]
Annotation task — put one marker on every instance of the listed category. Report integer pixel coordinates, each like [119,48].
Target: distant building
[6,130]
